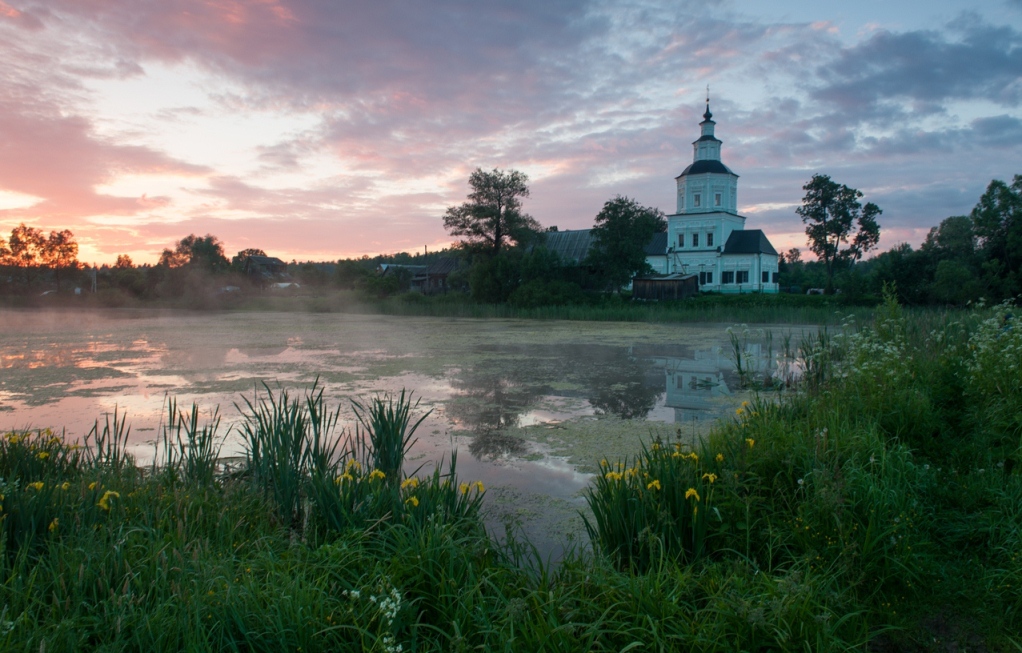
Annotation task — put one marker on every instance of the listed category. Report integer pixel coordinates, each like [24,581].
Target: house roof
[265,260]
[704,166]
[444,265]
[657,246]
[571,245]
[748,241]
[676,276]
[414,269]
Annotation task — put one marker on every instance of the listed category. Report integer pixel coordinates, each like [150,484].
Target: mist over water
[529,405]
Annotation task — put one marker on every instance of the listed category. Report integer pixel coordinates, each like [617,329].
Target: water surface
[529,405]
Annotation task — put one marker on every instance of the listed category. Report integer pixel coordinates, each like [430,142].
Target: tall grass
[186,450]
[386,431]
[288,439]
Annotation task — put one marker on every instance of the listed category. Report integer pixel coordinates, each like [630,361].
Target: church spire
[707,147]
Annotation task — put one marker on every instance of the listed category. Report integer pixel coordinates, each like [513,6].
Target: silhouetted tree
[60,252]
[997,221]
[206,253]
[492,217]
[831,212]
[26,246]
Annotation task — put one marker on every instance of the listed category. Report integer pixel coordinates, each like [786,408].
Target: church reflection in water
[513,386]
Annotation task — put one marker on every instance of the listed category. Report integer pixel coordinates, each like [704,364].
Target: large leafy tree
[997,223]
[206,252]
[621,232]
[839,227]
[492,217]
[26,246]
[60,252]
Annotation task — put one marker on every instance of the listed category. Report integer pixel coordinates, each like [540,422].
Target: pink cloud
[59,159]
[414,91]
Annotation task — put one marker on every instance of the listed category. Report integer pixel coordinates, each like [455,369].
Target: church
[706,236]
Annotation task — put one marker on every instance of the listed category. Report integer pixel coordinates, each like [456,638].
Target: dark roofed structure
[657,246]
[571,246]
[661,287]
[264,267]
[748,241]
[394,268]
[705,165]
[433,278]
[444,266]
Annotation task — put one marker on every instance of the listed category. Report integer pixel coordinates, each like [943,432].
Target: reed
[287,439]
[189,452]
[385,431]
[107,445]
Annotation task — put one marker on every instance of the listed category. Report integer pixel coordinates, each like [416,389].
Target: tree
[26,246]
[793,256]
[492,217]
[621,232]
[60,251]
[997,221]
[831,211]
[206,253]
[123,262]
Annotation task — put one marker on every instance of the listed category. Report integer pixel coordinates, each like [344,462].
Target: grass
[876,506]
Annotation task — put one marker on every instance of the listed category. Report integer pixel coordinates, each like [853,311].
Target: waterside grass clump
[874,506]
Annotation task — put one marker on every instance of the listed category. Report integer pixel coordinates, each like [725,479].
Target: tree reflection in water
[494,394]
[491,445]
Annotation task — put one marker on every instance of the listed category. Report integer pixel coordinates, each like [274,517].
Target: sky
[325,129]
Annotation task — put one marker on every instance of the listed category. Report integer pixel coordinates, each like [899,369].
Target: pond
[529,405]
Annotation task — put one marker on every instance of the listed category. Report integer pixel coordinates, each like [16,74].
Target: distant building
[433,279]
[264,268]
[392,269]
[667,286]
[706,236]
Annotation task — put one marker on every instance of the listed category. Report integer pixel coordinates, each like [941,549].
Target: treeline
[963,259]
[501,259]
[29,252]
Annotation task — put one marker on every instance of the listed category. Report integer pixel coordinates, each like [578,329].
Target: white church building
[706,236]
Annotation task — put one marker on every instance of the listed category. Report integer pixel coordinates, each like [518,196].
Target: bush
[547,293]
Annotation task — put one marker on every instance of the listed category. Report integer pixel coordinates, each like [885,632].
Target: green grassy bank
[877,507]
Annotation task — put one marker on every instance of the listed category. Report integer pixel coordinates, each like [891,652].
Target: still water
[528,405]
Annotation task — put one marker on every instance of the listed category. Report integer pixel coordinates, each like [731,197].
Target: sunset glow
[317,131]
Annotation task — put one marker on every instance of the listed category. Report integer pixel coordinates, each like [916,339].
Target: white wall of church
[707,193]
[691,233]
